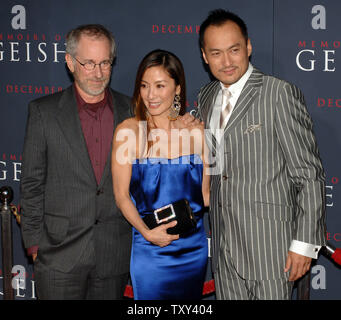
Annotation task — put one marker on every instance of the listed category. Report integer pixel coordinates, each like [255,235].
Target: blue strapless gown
[178,270]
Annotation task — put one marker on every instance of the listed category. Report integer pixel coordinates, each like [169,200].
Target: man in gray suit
[267,206]
[79,240]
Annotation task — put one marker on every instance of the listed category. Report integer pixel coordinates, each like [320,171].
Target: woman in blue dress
[158,160]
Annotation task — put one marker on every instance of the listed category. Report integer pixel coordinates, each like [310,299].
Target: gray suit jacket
[63,208]
[271,189]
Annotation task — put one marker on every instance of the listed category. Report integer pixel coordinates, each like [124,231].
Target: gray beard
[92,92]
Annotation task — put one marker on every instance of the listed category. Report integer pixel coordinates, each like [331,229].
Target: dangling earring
[175,108]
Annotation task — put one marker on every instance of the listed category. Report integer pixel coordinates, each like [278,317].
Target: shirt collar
[83,105]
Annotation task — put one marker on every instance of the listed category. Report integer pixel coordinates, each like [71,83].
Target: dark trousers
[80,283]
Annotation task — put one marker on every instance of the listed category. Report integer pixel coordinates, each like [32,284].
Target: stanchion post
[6,196]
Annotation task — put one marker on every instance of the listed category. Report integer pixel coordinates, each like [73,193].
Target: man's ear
[249,47]
[69,62]
[204,55]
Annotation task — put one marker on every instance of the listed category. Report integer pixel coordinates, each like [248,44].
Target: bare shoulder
[128,127]
[130,123]
[129,136]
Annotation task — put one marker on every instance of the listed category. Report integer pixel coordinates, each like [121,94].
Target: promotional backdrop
[298,41]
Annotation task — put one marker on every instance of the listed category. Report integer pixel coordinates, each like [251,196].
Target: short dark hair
[219,17]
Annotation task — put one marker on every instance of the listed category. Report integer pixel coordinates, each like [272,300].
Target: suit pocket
[56,227]
[273,211]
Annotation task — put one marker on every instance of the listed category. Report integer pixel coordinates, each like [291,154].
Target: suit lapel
[107,168]
[207,102]
[207,99]
[245,100]
[117,120]
[69,123]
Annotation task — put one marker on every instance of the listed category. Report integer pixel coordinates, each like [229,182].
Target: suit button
[219,204]
[99,191]
[224,177]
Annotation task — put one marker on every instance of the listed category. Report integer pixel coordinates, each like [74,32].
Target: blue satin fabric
[178,270]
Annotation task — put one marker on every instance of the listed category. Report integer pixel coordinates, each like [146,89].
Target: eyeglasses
[104,65]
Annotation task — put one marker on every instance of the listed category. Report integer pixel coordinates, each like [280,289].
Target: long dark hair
[172,64]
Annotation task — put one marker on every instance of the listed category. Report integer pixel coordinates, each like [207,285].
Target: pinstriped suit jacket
[271,188]
[60,199]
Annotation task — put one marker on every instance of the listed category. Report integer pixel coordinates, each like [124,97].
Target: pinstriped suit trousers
[231,286]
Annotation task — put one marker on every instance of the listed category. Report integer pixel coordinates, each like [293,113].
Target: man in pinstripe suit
[267,206]
[79,240]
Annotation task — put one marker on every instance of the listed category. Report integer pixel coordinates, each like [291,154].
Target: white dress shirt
[235,90]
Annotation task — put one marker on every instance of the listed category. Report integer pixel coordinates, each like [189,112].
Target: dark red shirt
[97,123]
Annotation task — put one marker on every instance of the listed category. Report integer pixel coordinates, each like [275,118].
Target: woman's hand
[159,235]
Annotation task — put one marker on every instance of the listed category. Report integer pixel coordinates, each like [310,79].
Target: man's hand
[187,120]
[297,264]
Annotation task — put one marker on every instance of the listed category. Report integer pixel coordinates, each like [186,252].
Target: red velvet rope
[336,256]
[128,292]
[209,287]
